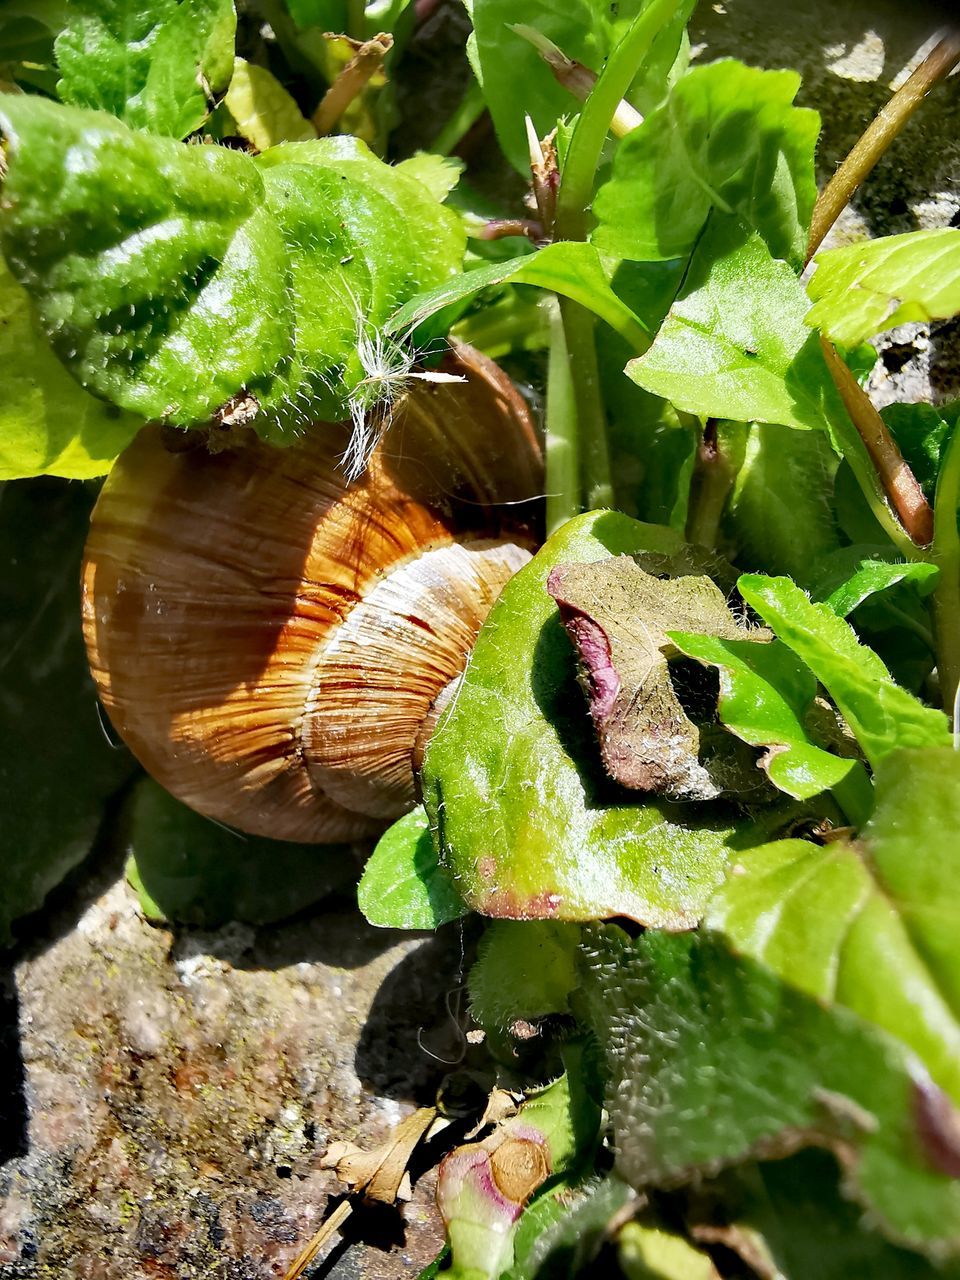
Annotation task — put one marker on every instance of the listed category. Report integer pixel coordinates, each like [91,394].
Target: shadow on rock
[414,1034]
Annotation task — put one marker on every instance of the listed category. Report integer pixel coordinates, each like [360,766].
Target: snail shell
[273,643]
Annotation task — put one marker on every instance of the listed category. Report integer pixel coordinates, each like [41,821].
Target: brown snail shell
[270,641]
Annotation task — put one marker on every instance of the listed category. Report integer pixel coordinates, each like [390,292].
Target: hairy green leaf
[527,823]
[728,138]
[188,869]
[524,969]
[178,281]
[517,81]
[766,698]
[57,766]
[403,886]
[158,65]
[572,269]
[851,576]
[882,715]
[713,1058]
[869,924]
[48,423]
[861,289]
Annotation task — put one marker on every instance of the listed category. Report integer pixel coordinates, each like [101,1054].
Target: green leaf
[870,924]
[403,886]
[517,81]
[734,344]
[726,138]
[48,423]
[651,1253]
[852,576]
[861,289]
[881,714]
[711,1059]
[524,969]
[439,174]
[158,65]
[558,1237]
[922,431]
[780,514]
[57,767]
[791,1220]
[527,823]
[261,109]
[190,870]
[175,280]
[572,269]
[766,698]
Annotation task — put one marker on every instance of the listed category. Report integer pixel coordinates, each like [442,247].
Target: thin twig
[313,1247]
[351,81]
[898,481]
[879,134]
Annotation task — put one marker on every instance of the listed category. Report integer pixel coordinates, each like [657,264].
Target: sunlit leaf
[882,715]
[403,886]
[728,138]
[861,289]
[159,65]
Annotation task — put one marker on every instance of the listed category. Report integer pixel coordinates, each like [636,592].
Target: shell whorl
[268,640]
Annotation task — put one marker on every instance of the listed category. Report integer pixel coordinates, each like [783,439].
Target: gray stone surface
[180,1089]
[852,54]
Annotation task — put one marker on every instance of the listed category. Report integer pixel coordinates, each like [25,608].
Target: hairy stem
[590,132]
[946,554]
[578,329]
[898,481]
[879,134]
[713,476]
[351,81]
[469,110]
[562,436]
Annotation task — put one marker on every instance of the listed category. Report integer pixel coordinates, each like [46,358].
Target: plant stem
[562,435]
[590,132]
[578,329]
[713,477]
[898,481]
[351,82]
[879,134]
[946,554]
[578,79]
[356,19]
[471,107]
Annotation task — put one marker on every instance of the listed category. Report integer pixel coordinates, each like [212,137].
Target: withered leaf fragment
[617,613]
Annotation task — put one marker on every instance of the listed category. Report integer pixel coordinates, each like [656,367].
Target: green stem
[578,329]
[466,115]
[946,554]
[590,132]
[357,19]
[562,437]
[713,476]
